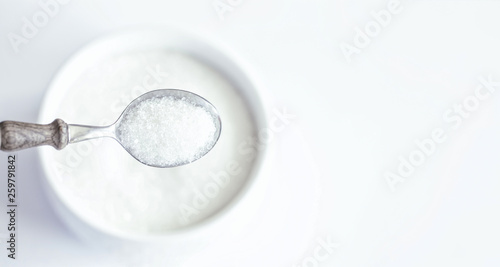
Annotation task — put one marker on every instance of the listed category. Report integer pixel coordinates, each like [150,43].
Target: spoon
[20,135]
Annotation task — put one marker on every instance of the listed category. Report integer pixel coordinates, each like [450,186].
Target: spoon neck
[78,133]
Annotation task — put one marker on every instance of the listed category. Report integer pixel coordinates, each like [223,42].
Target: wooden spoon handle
[20,135]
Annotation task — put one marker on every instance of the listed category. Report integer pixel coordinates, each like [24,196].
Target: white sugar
[102,183]
[167,131]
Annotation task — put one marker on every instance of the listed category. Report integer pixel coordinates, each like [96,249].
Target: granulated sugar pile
[103,184]
[167,131]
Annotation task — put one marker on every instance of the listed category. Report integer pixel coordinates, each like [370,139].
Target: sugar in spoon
[162,128]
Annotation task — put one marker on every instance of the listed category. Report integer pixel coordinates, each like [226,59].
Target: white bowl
[201,48]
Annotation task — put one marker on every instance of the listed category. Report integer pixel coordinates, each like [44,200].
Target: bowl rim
[260,116]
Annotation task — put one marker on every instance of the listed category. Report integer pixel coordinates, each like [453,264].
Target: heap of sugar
[167,131]
[103,184]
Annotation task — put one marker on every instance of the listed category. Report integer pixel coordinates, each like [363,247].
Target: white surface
[353,122]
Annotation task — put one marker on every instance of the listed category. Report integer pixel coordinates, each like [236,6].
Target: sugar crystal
[167,131]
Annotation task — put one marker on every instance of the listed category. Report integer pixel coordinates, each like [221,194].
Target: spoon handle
[20,135]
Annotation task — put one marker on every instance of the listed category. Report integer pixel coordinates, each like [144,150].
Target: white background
[353,122]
